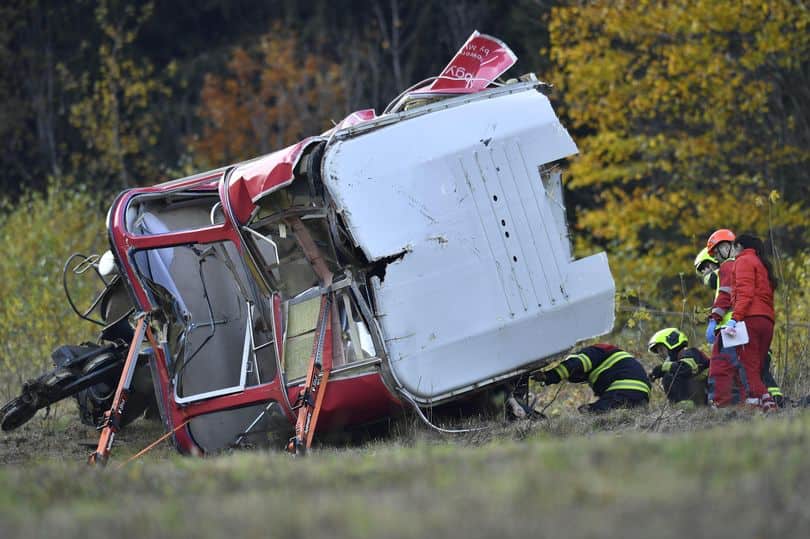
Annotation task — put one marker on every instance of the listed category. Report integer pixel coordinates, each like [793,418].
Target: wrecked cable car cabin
[407,259]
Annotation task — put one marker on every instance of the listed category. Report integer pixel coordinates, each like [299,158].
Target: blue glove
[710,331]
[731,324]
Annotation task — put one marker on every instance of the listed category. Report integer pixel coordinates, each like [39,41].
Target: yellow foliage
[791,341]
[691,123]
[37,234]
[113,114]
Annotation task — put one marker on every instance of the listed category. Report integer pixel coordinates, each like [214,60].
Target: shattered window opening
[300,257]
[216,345]
[289,267]
[357,340]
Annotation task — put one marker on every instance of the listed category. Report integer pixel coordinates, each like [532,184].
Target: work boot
[750,405]
[767,404]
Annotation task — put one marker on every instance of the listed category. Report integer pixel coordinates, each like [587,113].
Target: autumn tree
[271,95]
[691,115]
[16,140]
[34,37]
[114,112]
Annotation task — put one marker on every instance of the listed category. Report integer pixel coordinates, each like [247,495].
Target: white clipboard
[740,337]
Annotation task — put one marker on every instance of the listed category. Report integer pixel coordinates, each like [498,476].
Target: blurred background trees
[268,96]
[114,94]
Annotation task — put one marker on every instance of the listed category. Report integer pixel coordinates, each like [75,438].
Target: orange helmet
[718,236]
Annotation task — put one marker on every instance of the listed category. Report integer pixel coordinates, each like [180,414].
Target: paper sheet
[740,337]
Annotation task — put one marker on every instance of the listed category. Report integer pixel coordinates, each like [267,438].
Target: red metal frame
[310,396]
[255,179]
[359,399]
[112,418]
[126,243]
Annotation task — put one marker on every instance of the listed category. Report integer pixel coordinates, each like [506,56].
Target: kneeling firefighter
[615,376]
[684,371]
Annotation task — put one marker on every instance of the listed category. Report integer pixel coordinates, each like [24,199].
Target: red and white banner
[480,61]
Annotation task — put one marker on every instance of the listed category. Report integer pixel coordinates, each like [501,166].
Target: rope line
[153,444]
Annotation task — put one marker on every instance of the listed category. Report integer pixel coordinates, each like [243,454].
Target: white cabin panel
[485,285]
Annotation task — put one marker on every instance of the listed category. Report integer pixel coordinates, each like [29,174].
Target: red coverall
[752,301]
[725,369]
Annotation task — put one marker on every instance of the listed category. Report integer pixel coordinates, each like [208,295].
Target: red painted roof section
[255,179]
[356,117]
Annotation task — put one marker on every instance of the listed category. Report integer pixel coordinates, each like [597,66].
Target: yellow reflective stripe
[562,371]
[586,362]
[692,364]
[775,392]
[666,366]
[583,359]
[611,360]
[636,385]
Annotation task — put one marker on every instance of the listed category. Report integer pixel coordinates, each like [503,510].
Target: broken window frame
[179,358]
[346,284]
[209,234]
[311,204]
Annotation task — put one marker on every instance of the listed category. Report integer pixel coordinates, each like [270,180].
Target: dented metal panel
[257,178]
[486,285]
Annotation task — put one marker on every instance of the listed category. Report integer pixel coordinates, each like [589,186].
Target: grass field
[662,472]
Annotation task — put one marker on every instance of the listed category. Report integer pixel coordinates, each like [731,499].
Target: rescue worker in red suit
[706,267]
[725,369]
[615,376]
[752,291]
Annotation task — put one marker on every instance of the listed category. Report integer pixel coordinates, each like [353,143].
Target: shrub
[37,233]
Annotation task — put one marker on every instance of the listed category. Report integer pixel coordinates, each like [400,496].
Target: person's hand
[656,373]
[515,408]
[731,328]
[550,377]
[710,331]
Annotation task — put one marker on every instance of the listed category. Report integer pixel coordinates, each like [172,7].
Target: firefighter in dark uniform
[683,371]
[615,376]
[707,267]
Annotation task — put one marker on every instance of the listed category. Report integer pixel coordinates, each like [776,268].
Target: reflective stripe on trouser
[635,385]
[724,370]
[768,379]
[619,399]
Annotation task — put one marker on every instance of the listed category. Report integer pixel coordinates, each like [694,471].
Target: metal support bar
[311,396]
[112,418]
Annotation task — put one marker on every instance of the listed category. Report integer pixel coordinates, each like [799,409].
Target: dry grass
[625,474]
